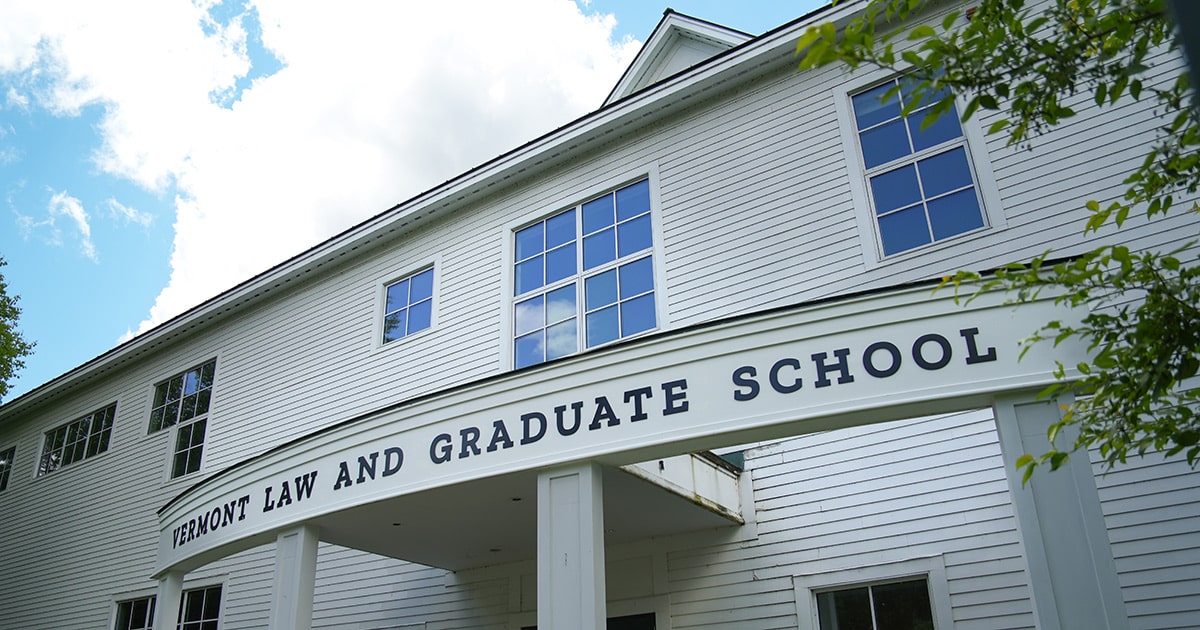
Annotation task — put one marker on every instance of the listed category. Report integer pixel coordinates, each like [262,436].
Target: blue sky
[141,166]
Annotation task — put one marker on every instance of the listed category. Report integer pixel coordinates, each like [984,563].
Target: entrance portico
[434,480]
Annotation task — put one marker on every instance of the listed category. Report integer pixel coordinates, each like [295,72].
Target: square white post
[570,559]
[1072,575]
[166,606]
[295,578]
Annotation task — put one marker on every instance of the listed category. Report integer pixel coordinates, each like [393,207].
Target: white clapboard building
[677,364]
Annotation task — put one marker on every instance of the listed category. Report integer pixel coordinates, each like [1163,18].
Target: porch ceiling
[494,520]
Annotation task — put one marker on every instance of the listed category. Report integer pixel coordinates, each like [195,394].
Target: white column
[570,559]
[295,578]
[1072,575]
[166,606]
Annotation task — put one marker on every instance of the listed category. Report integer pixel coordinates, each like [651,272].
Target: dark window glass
[77,440]
[598,214]
[189,446]
[136,614]
[890,606]
[599,248]
[6,465]
[633,200]
[182,397]
[200,609]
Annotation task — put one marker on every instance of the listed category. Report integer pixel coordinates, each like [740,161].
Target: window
[135,614]
[409,306]
[183,399]
[6,464]
[584,277]
[905,595]
[921,182]
[200,609]
[77,440]
[890,606]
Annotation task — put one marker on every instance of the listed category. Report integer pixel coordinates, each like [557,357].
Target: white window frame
[172,432]
[608,184]
[7,472]
[38,472]
[932,568]
[978,155]
[434,264]
[117,600]
[188,586]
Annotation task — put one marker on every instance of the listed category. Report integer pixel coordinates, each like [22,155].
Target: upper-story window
[584,277]
[77,440]
[6,464]
[921,182]
[183,400]
[409,307]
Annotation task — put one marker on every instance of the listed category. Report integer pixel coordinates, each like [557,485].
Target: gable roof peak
[678,42]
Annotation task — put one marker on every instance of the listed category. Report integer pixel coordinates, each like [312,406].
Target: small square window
[593,265]
[136,614]
[409,306]
[200,609]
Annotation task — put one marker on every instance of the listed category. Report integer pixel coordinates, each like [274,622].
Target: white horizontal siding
[1151,508]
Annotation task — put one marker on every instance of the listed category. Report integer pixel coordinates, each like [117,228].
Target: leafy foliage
[13,347]
[1028,65]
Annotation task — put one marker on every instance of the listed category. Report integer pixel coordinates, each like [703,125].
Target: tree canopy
[13,347]
[1028,64]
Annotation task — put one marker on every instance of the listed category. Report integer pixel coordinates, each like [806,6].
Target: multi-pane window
[920,180]
[200,609]
[6,465]
[888,606]
[409,306]
[584,277]
[136,614]
[183,399]
[77,440]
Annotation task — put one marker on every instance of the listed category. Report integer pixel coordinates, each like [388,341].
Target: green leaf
[922,31]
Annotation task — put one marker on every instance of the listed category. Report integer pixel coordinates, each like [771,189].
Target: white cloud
[376,102]
[15,99]
[64,205]
[118,210]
